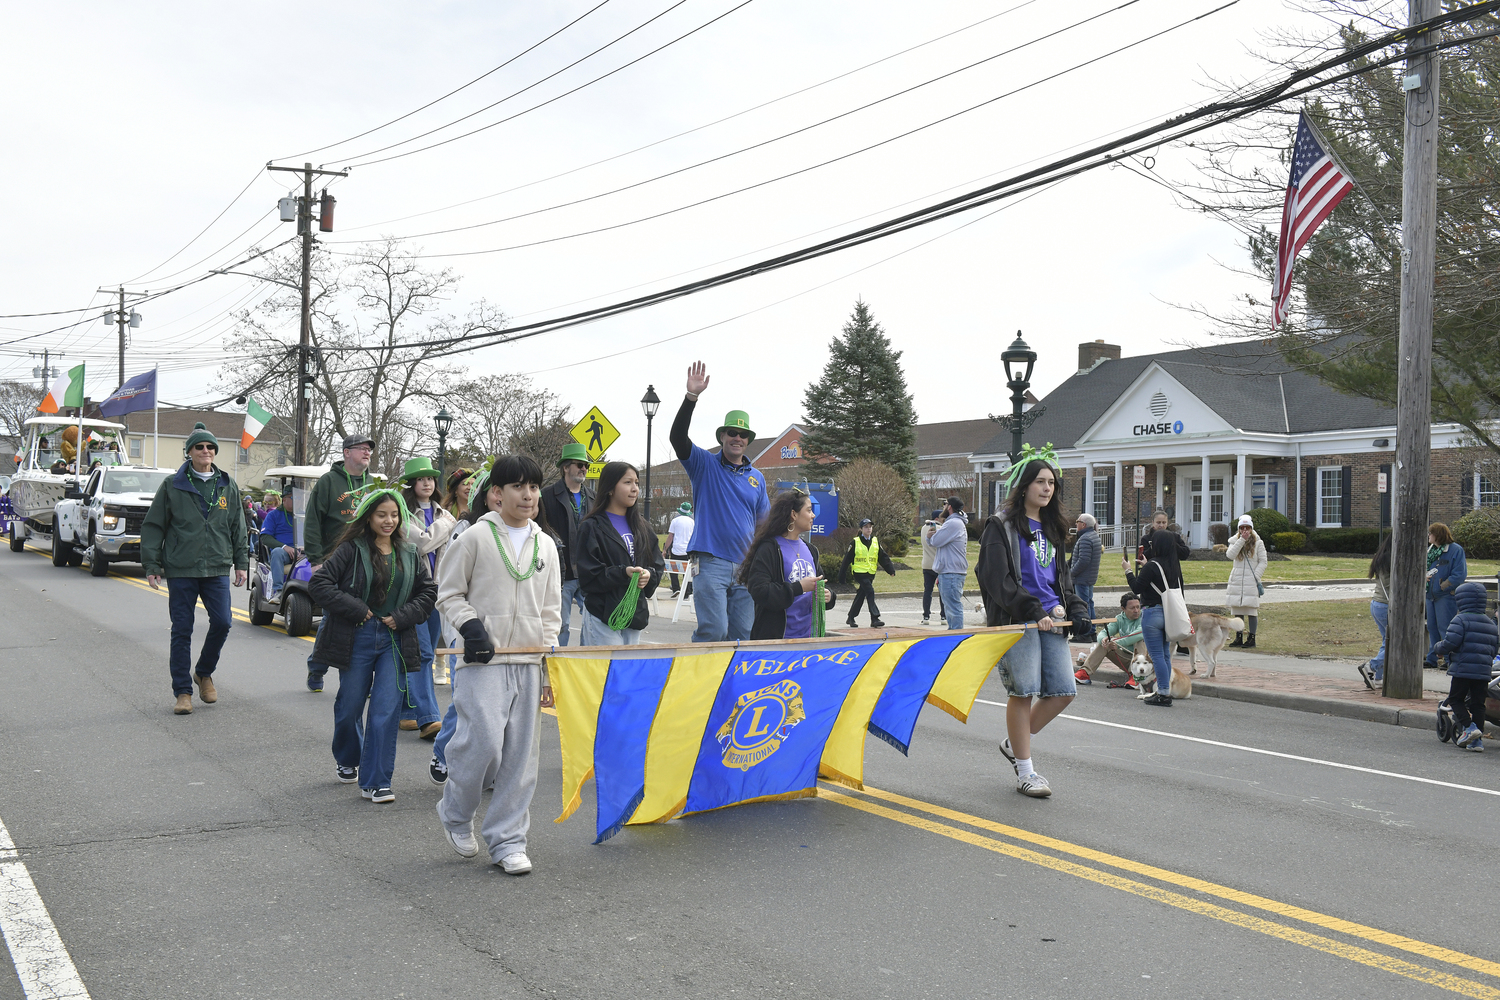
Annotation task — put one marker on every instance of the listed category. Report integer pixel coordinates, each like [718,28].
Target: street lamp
[649,404]
[1018,360]
[444,420]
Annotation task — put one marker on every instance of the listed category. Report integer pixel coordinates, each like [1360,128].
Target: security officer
[863,557]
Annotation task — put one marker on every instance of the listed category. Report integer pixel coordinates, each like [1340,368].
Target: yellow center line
[1338,949]
[1372,934]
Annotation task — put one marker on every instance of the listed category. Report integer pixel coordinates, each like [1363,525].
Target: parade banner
[668,731]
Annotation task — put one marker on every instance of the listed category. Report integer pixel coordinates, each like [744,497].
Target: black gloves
[1082,626]
[477,645]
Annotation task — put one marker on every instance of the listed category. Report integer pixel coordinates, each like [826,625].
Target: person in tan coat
[1247,568]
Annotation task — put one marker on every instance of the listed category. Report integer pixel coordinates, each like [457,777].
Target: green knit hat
[736,419]
[200,435]
[573,452]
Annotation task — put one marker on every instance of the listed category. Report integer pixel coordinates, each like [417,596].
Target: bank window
[1101,500]
[1489,491]
[135,447]
[1197,491]
[1216,500]
[1331,496]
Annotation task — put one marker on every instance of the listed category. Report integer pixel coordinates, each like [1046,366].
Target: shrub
[1360,541]
[828,565]
[1218,534]
[1269,522]
[1479,533]
[1289,542]
[872,489]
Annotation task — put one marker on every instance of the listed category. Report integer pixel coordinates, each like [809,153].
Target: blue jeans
[571,596]
[279,560]
[1154,632]
[183,593]
[313,666]
[1440,612]
[597,633]
[1086,593]
[371,674]
[1381,613]
[951,590]
[422,704]
[724,607]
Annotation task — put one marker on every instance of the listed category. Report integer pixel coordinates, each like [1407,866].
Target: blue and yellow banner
[668,731]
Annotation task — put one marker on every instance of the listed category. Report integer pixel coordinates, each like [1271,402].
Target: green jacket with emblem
[330,508]
[182,536]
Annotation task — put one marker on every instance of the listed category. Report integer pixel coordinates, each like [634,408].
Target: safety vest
[866,557]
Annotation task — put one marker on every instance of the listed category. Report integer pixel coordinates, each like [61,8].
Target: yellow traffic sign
[595,433]
[594,469]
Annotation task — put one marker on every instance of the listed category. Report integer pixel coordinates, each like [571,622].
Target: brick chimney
[1091,354]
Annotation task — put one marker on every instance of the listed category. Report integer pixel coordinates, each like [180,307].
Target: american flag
[1318,184]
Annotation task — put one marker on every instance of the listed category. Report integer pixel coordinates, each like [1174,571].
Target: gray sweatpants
[497,740]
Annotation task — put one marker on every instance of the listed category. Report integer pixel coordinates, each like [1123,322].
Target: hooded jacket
[473,582]
[341,587]
[330,506]
[1006,599]
[183,537]
[602,559]
[1472,638]
[772,593]
[1452,568]
[1240,592]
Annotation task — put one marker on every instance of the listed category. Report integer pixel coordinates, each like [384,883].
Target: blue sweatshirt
[279,526]
[728,500]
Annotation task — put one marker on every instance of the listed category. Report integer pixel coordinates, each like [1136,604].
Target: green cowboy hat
[573,452]
[736,420]
[418,468]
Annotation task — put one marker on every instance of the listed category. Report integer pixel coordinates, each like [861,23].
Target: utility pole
[304,341]
[46,372]
[122,318]
[1407,650]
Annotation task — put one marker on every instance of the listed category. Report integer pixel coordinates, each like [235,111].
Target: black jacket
[337,586]
[772,592]
[562,518]
[1006,600]
[602,559]
[882,558]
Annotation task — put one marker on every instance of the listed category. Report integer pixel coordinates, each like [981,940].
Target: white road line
[1268,753]
[42,963]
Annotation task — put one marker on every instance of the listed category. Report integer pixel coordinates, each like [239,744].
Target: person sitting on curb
[1119,641]
[862,558]
[1470,645]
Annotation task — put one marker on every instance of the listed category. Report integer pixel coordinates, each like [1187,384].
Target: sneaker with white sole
[1033,785]
[437,771]
[1366,674]
[348,775]
[1006,750]
[1469,737]
[381,796]
[515,864]
[464,843]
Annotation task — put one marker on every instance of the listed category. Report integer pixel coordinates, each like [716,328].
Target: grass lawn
[1322,628]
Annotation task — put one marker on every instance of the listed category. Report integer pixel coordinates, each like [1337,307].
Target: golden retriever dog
[1211,633]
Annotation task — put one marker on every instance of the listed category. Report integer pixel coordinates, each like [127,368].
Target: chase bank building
[1223,429]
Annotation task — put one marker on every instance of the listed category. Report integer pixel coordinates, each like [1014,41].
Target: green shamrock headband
[374,495]
[1030,454]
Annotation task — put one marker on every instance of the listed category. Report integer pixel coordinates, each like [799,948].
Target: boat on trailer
[35,488]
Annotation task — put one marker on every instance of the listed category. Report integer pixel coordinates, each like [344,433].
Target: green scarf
[404,577]
[1433,552]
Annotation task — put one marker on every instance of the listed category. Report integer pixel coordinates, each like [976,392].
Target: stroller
[1447,729]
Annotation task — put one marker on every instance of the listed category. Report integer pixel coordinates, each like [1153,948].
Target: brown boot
[184,705]
[430,731]
[408,725]
[206,692]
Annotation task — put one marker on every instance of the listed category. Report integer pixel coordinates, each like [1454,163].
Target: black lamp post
[1018,360]
[649,404]
[444,421]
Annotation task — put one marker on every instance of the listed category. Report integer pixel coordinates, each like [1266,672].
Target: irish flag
[73,396]
[255,419]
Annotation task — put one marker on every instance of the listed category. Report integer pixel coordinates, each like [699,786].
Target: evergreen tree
[860,408]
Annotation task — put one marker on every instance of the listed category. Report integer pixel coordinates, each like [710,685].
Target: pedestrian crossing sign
[594,469]
[595,433]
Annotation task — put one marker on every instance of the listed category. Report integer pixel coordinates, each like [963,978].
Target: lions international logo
[223,503]
[760,723]
[753,481]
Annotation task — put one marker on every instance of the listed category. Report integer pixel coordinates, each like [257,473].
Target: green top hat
[573,452]
[418,468]
[737,420]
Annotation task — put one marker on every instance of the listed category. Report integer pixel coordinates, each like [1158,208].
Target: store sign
[1160,427]
[792,450]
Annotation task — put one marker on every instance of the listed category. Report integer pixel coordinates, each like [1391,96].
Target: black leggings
[929,580]
[1466,698]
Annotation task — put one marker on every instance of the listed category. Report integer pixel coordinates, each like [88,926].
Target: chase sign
[1160,427]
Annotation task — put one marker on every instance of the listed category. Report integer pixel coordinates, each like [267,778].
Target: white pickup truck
[102,521]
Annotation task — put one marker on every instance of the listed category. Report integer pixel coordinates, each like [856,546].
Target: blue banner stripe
[895,714]
[631,693]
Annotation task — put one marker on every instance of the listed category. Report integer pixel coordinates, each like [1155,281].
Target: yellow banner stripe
[959,681]
[677,733]
[578,689]
[1338,949]
[1371,934]
[844,753]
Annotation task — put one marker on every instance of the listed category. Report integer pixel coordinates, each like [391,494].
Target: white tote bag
[1176,622]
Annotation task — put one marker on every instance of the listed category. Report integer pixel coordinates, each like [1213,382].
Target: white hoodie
[473,582]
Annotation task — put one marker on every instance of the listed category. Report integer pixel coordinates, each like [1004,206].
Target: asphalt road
[214,855]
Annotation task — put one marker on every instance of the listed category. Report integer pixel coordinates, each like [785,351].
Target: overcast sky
[129,127]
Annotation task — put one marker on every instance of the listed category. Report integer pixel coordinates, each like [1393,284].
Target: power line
[195,239]
[797,131]
[455,90]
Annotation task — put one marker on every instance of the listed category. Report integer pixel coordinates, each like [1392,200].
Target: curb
[1407,718]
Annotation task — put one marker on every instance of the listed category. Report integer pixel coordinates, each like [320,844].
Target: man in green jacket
[330,508]
[193,535]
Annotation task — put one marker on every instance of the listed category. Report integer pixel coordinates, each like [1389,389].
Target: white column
[1241,472]
[1119,501]
[1161,470]
[1204,508]
[1087,506]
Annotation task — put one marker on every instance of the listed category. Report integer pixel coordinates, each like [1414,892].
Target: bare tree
[491,412]
[17,405]
[868,488]
[542,435]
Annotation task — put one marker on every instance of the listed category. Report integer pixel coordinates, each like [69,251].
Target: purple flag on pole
[137,393]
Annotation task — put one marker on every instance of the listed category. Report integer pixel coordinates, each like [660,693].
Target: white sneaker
[464,843]
[1034,785]
[1010,754]
[515,864]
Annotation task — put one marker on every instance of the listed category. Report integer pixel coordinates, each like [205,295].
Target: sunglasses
[737,434]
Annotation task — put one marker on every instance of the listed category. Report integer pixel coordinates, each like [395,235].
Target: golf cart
[294,602]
